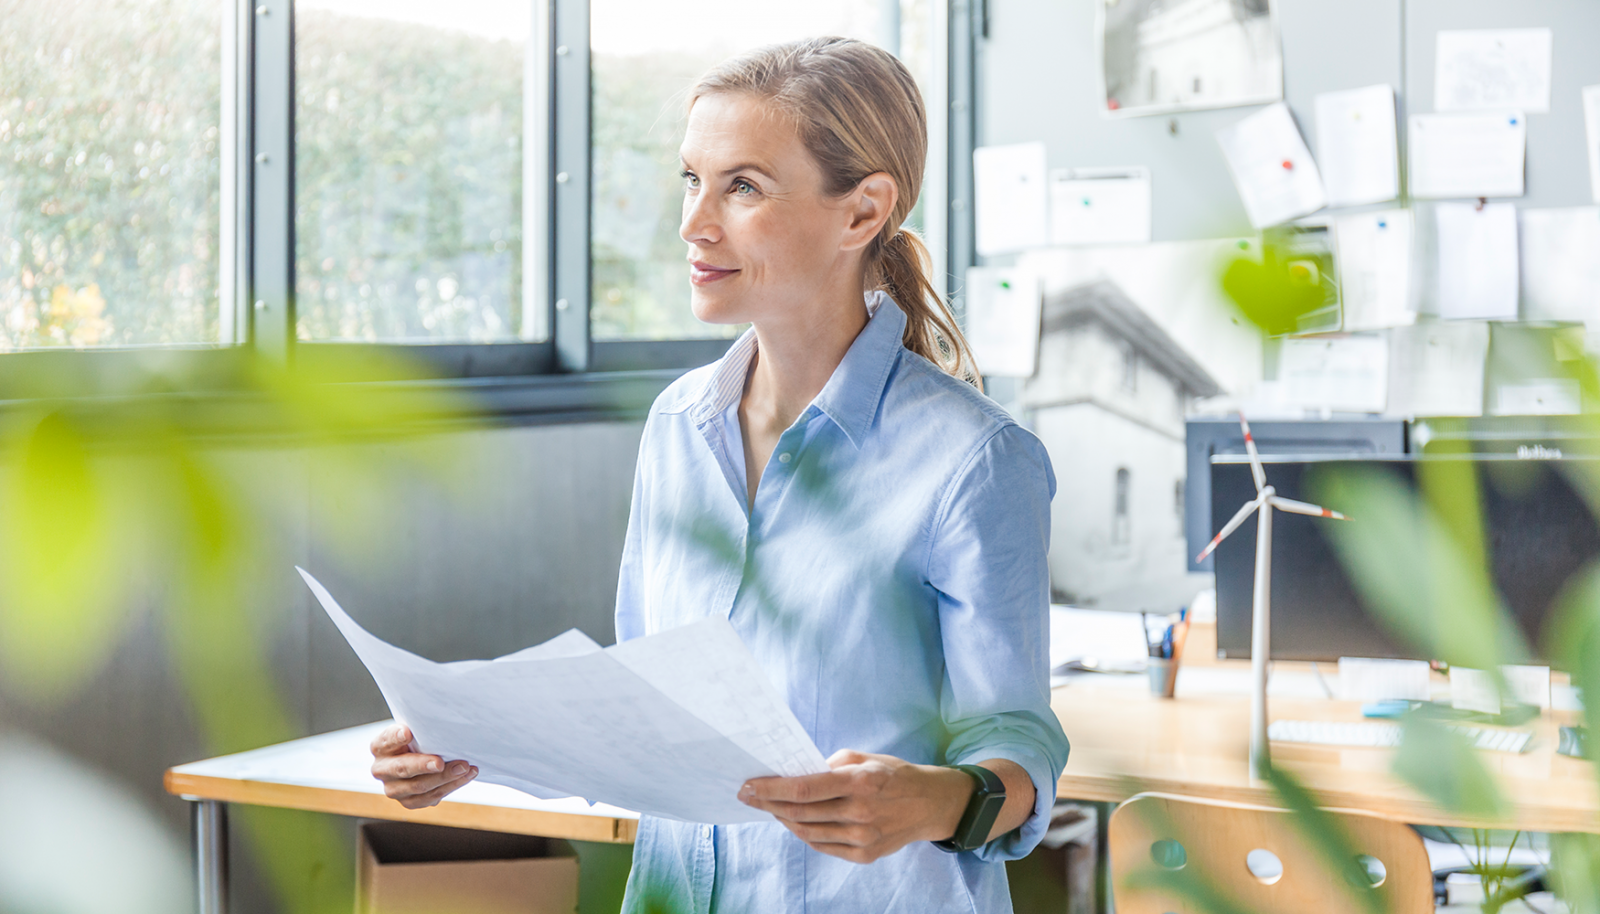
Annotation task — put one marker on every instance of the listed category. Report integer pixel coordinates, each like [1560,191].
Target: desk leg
[1102,857]
[211,855]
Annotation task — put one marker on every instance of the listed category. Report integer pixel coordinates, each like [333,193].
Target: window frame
[564,377]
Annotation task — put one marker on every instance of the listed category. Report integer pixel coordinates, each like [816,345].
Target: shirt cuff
[1020,841]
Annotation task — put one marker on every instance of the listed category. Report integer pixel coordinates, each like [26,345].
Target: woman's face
[765,240]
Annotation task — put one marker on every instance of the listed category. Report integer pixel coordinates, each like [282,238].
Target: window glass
[646,55]
[110,141]
[408,171]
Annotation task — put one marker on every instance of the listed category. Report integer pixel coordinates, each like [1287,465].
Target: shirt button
[707,832]
[785,457]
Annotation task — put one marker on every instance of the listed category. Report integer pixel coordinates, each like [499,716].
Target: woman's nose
[700,225]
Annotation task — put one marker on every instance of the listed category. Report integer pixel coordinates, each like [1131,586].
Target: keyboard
[1372,733]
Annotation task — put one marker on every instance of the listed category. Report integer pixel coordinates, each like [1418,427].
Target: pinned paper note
[1276,176]
[1003,320]
[1009,211]
[1476,690]
[1100,205]
[1436,369]
[1478,275]
[1591,125]
[1537,397]
[1468,155]
[1356,146]
[1492,70]
[1374,260]
[1340,374]
[1561,264]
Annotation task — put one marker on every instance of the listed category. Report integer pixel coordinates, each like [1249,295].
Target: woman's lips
[703,274]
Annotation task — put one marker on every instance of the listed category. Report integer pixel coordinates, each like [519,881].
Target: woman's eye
[690,181]
[743,188]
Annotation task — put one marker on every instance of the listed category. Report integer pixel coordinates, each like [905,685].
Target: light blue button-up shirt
[890,578]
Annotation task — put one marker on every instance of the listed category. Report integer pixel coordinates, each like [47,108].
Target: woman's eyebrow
[761,170]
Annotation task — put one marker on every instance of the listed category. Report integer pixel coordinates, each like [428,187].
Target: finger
[810,788]
[432,797]
[847,757]
[407,788]
[832,833]
[845,810]
[415,765]
[394,739]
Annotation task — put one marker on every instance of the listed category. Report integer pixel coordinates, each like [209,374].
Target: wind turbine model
[1266,499]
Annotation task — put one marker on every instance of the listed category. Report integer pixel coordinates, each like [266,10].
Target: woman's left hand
[867,807]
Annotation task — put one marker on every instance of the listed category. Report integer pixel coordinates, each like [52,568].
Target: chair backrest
[1256,857]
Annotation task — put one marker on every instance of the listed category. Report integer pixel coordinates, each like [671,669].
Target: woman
[872,525]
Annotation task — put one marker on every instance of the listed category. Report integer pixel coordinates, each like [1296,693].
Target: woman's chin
[715,309]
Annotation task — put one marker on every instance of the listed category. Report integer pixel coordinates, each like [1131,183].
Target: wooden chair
[1208,843]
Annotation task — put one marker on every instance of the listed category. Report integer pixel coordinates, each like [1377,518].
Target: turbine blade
[1300,507]
[1255,456]
[1228,528]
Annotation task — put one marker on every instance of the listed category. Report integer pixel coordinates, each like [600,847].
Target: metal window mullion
[271,116]
[571,145]
[962,134]
[233,250]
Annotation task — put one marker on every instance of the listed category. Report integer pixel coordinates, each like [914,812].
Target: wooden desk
[1125,741]
[329,773]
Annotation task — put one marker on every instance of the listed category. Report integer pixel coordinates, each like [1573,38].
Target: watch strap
[983,808]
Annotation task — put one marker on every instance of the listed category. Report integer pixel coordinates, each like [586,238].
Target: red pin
[1288,165]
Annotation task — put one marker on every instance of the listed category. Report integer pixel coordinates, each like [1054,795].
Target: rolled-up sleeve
[988,561]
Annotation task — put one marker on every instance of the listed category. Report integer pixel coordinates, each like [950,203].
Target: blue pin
[1513,122]
[1382,224]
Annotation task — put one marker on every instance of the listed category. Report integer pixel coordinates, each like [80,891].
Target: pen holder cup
[1163,674]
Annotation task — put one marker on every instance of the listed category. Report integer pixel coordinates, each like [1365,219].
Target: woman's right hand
[411,777]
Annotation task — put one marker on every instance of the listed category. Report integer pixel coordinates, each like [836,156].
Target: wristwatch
[988,795]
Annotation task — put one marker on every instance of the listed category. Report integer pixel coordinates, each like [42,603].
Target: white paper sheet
[1112,641]
[1478,276]
[1276,176]
[1436,369]
[1591,131]
[1492,70]
[1468,155]
[1010,212]
[1561,264]
[1473,690]
[1537,397]
[670,725]
[1356,146]
[1003,306]
[1371,679]
[1100,205]
[1343,374]
[1373,252]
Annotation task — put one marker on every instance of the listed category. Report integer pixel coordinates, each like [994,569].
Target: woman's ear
[871,204]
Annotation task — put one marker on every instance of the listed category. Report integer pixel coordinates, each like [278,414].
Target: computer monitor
[1539,532]
[1213,436]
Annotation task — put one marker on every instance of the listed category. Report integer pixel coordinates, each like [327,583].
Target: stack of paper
[669,725]
[1276,176]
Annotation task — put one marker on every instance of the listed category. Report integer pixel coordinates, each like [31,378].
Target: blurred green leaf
[1272,292]
[1442,765]
[1324,833]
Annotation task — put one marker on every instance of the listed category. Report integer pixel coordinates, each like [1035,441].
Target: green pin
[1005,284]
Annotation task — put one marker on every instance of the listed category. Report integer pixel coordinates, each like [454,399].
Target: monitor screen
[1538,531]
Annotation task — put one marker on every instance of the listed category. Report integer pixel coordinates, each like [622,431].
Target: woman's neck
[795,360]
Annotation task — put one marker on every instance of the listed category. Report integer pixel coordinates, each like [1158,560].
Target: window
[1130,369]
[408,172]
[487,188]
[111,168]
[645,56]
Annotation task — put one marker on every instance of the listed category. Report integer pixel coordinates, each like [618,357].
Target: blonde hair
[859,112]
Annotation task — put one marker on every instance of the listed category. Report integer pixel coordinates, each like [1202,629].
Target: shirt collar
[851,396]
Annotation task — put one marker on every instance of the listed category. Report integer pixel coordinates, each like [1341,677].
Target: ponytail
[902,270]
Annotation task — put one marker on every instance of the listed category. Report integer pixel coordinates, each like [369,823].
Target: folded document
[669,725]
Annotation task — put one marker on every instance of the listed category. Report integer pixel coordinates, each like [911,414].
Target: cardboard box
[404,868]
